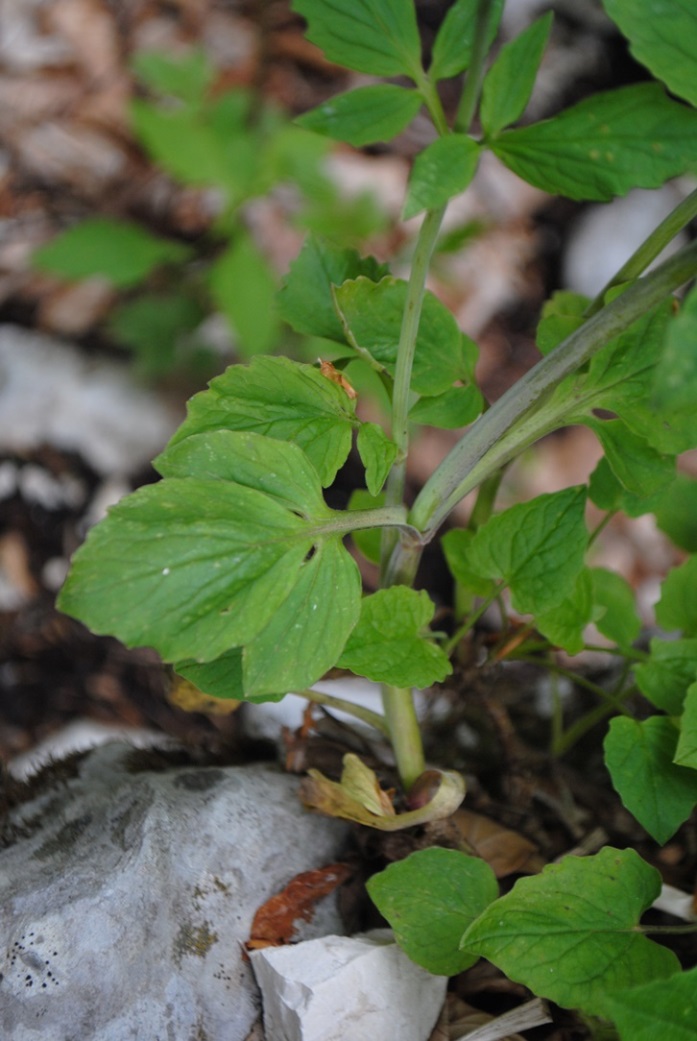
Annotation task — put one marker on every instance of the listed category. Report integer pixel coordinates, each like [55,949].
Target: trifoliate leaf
[379,37]
[244,290]
[564,625]
[442,170]
[305,299]
[120,252]
[390,643]
[619,620]
[633,137]
[639,756]
[365,115]
[677,608]
[452,49]
[186,76]
[429,899]
[509,82]
[537,547]
[377,454]
[283,400]
[670,670]
[569,933]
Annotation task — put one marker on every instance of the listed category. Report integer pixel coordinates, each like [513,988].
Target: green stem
[666,930]
[518,419]
[649,249]
[475,73]
[405,733]
[374,719]
[486,497]
[469,622]
[432,101]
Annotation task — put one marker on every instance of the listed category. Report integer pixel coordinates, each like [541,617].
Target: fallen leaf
[275,921]
[504,850]
[188,697]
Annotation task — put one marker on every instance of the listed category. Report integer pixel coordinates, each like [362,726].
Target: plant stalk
[475,74]
[374,719]
[405,733]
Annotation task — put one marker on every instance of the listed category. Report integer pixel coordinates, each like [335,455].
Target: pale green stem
[374,719]
[405,733]
[518,418]
[659,238]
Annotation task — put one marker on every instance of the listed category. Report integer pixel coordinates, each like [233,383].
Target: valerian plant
[235,568]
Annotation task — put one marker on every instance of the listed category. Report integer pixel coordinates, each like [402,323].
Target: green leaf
[456,546]
[429,899]
[155,326]
[675,377]
[444,168]
[657,1009]
[365,115]
[634,137]
[452,49]
[641,469]
[367,540]
[244,289]
[387,645]
[606,492]
[281,399]
[372,316]
[509,82]
[187,77]
[377,454]
[537,547]
[639,756]
[123,253]
[454,408]
[379,37]
[242,554]
[564,625]
[677,608]
[686,750]
[676,512]
[670,670]
[562,315]
[619,620]
[569,933]
[220,678]
[666,42]
[305,299]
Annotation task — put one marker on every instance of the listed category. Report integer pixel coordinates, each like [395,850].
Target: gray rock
[126,898]
[341,988]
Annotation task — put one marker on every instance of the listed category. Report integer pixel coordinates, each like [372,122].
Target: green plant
[235,569]
[240,147]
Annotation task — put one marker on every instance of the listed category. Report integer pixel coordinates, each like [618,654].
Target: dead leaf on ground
[185,695]
[275,921]
[504,850]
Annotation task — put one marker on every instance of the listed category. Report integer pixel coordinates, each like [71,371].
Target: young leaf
[456,407]
[244,289]
[281,399]
[569,933]
[675,376]
[123,253]
[657,1009]
[562,315]
[387,645]
[639,756]
[634,137]
[619,620]
[686,750]
[186,77]
[666,42]
[154,325]
[509,82]
[452,49]
[677,608]
[305,299]
[670,670]
[443,169]
[379,37]
[429,899]
[372,316]
[365,115]
[537,547]
[377,454]
[564,624]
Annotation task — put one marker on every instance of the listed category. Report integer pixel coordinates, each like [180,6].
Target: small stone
[339,988]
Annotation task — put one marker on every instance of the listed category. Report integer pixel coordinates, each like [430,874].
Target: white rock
[127,896]
[340,988]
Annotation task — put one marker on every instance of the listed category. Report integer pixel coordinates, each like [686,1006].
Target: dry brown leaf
[504,850]
[188,697]
[275,921]
[333,374]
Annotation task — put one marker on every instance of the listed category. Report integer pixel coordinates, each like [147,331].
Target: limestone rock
[340,988]
[127,896]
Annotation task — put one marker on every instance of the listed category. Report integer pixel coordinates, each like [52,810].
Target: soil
[524,807]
